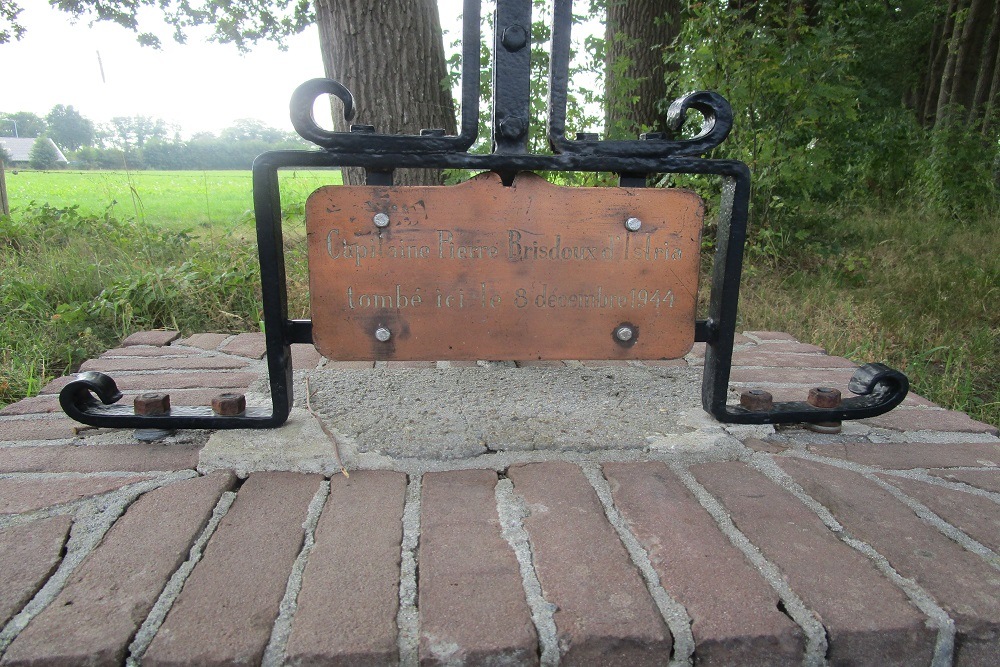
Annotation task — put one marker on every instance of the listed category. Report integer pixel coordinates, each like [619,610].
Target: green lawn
[199,201]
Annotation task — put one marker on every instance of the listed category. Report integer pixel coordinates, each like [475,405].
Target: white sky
[198,86]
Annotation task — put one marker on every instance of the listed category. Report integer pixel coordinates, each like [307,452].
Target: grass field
[198,201]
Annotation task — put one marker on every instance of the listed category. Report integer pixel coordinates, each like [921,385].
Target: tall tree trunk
[993,98]
[986,67]
[390,54]
[637,33]
[948,73]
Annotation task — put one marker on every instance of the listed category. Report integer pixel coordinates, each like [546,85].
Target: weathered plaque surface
[483,271]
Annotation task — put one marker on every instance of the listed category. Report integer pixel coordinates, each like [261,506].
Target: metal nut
[383,334]
[633,224]
[229,405]
[756,400]
[624,333]
[513,128]
[514,37]
[152,403]
[381,220]
[824,397]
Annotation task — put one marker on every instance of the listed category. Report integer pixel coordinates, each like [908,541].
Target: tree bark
[390,54]
[637,33]
[948,74]
[986,68]
[4,205]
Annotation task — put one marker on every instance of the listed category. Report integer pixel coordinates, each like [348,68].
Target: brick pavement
[875,547]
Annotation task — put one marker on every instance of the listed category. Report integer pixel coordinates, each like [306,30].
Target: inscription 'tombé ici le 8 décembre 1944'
[519,246]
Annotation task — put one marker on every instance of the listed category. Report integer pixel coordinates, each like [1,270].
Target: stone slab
[451,413]
[863,613]
[228,605]
[249,345]
[108,596]
[25,495]
[349,598]
[976,516]
[204,341]
[162,364]
[734,611]
[604,613]
[472,603]
[908,455]
[140,457]
[987,480]
[29,553]
[155,338]
[961,582]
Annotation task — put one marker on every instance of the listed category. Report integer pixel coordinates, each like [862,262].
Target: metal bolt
[151,404]
[652,136]
[624,333]
[229,405]
[381,220]
[756,400]
[824,397]
[513,128]
[363,129]
[587,136]
[432,132]
[514,37]
[382,334]
[633,224]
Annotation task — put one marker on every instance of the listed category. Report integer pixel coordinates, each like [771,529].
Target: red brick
[734,611]
[144,351]
[205,341]
[228,605]
[358,538]
[765,446]
[471,598]
[961,582]
[33,406]
[140,457]
[156,338]
[56,428]
[909,455]
[161,364]
[976,516]
[790,347]
[820,377]
[763,356]
[162,381]
[305,356]
[94,617]
[250,345]
[866,618]
[988,480]
[770,335]
[28,555]
[930,420]
[604,613]
[26,495]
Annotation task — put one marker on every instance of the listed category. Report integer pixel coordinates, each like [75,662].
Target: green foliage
[69,129]
[5,156]
[43,154]
[26,123]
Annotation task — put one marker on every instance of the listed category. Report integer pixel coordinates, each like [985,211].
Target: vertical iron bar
[562,23]
[511,76]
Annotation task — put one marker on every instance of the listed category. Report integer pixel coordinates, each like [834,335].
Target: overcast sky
[197,86]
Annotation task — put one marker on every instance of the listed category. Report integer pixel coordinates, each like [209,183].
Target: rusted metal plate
[483,271]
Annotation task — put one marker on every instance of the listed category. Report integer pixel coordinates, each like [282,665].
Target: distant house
[20,150]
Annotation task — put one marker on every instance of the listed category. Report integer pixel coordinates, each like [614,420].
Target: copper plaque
[483,271]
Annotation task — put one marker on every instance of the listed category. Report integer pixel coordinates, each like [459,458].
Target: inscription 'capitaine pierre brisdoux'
[483,271]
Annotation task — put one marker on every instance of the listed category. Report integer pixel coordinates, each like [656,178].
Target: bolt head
[229,405]
[382,334]
[381,220]
[513,128]
[824,397]
[152,403]
[756,400]
[633,224]
[514,37]
[624,333]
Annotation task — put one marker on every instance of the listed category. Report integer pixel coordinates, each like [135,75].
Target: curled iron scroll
[301,108]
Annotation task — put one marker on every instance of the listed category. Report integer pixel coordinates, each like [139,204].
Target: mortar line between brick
[921,476]
[89,528]
[151,625]
[918,508]
[673,612]
[512,510]
[407,617]
[944,646]
[274,654]
[805,618]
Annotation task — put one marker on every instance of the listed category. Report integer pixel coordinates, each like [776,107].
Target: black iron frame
[878,388]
